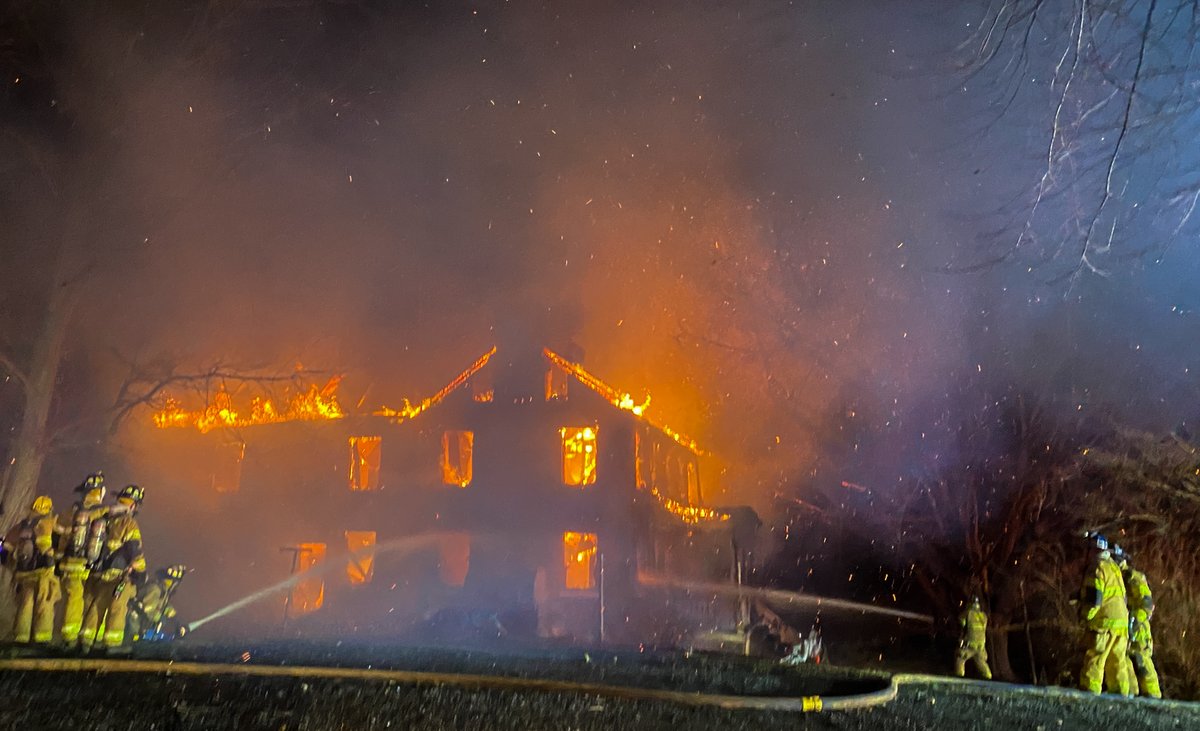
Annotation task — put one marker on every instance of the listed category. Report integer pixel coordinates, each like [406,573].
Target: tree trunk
[19,481]
[1001,666]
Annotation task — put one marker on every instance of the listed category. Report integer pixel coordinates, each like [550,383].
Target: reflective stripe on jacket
[1107,589]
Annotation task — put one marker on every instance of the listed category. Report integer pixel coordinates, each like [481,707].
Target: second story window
[458,449]
[365,460]
[556,384]
[578,455]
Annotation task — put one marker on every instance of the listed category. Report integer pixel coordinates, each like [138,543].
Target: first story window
[579,455]
[454,558]
[579,560]
[365,460]
[458,449]
[308,594]
[360,567]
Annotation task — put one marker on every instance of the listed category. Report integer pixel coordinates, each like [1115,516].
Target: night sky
[791,223]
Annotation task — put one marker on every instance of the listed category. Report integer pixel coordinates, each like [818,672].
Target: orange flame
[692,514]
[317,403]
[622,400]
[410,410]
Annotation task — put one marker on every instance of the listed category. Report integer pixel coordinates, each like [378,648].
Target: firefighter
[114,580]
[973,644]
[153,607]
[80,546]
[29,551]
[1107,621]
[1141,642]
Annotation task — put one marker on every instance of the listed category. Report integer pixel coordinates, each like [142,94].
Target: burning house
[527,494]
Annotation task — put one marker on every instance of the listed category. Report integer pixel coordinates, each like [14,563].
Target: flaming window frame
[368,462]
[580,444]
[460,471]
[360,565]
[308,555]
[580,558]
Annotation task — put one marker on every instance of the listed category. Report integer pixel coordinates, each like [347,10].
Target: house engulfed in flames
[526,491]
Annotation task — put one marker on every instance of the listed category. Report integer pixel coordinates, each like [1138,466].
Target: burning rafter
[622,400]
[410,410]
[317,403]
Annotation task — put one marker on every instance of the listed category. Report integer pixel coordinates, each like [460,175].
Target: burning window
[556,384]
[360,567]
[308,594]
[457,452]
[227,466]
[579,560]
[365,459]
[579,455]
[693,484]
[454,558]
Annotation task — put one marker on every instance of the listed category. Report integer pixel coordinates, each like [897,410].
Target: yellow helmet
[42,505]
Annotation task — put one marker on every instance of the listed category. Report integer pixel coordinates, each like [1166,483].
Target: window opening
[365,460]
[308,594]
[227,469]
[454,558]
[556,384]
[579,455]
[458,449]
[579,559]
[360,567]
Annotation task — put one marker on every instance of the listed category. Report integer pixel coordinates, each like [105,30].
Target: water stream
[333,563]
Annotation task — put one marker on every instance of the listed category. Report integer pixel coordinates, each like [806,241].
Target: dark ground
[116,699]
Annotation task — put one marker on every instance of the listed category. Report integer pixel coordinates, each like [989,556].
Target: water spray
[775,595]
[410,543]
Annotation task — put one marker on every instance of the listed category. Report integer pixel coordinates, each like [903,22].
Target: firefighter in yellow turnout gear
[80,547]
[973,645]
[152,608]
[1107,620]
[1141,642]
[29,551]
[112,583]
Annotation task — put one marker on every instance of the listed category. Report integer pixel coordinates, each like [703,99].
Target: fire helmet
[1096,539]
[94,481]
[42,505]
[134,493]
[175,572]
[1119,555]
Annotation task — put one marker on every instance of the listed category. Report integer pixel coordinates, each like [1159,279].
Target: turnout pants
[1106,659]
[104,613]
[1142,660]
[74,573]
[37,594]
[978,653]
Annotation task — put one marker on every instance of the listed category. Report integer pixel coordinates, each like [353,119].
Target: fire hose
[789,704]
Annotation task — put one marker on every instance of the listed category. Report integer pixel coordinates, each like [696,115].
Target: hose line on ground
[802,704]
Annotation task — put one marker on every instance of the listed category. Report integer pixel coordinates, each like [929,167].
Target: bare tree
[66,131]
[1110,88]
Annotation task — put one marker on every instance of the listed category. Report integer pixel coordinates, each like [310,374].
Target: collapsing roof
[320,403]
